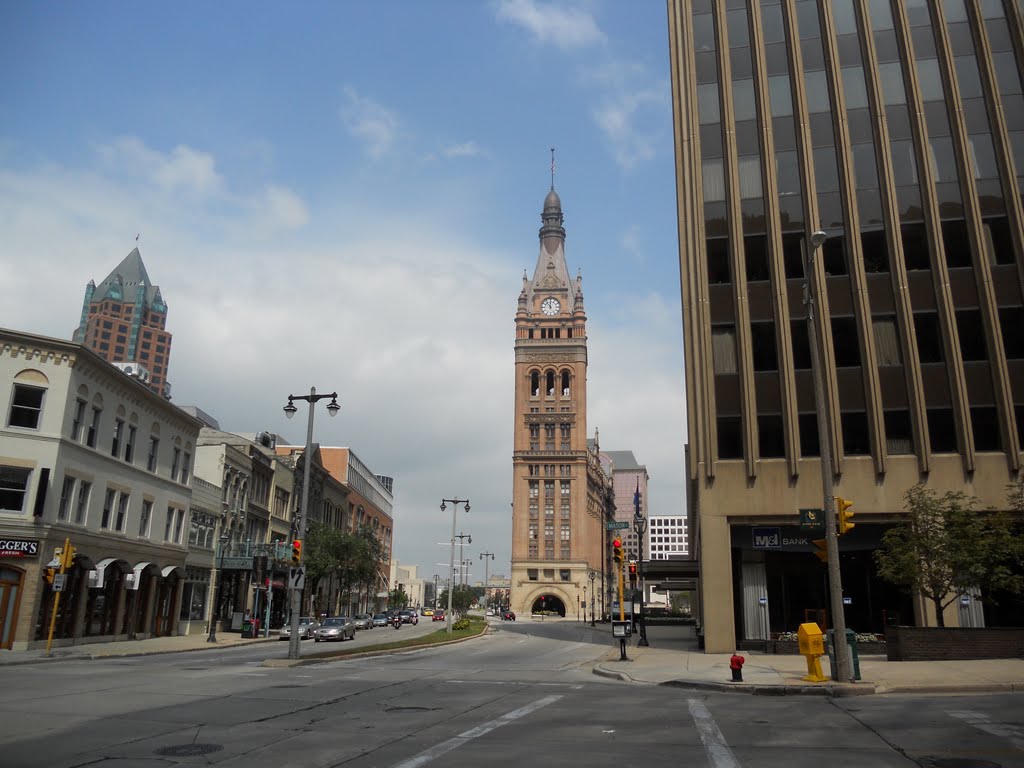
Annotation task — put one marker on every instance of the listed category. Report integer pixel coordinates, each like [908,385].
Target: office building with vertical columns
[897,128]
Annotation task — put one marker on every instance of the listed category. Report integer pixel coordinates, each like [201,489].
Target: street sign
[812,518]
[763,600]
[58,581]
[847,601]
[296,578]
[617,525]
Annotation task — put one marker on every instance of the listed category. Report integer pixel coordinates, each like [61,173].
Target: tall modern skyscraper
[897,128]
[123,320]
[560,493]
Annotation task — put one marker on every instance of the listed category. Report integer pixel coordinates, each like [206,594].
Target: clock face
[550,306]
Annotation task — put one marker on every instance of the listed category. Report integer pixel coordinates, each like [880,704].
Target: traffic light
[821,549]
[296,552]
[68,556]
[617,550]
[844,514]
[632,571]
[48,574]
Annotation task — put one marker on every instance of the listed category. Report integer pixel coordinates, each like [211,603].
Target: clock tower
[558,486]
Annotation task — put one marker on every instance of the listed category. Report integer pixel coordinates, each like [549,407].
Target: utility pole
[843,673]
[462,562]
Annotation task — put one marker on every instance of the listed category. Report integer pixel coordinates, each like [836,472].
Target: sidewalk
[675,661]
[177,644]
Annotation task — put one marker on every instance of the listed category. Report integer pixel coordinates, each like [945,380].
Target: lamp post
[593,576]
[451,560]
[435,591]
[215,587]
[486,557]
[843,671]
[307,457]
[640,526]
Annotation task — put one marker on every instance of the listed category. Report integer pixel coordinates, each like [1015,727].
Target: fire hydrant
[736,665]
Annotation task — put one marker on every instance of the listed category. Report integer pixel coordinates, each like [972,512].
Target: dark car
[409,616]
[508,615]
[438,616]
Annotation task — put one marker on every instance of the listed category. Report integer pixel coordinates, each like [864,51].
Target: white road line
[714,743]
[1013,733]
[457,741]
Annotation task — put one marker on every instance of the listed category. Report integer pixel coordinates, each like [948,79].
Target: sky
[344,195]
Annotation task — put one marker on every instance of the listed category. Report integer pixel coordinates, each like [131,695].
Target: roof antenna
[552,169]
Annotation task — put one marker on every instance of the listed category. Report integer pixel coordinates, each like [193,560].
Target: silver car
[307,626]
[335,628]
[364,621]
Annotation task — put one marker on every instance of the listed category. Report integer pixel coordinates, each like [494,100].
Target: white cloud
[182,168]
[369,122]
[617,117]
[567,27]
[466,149]
[284,208]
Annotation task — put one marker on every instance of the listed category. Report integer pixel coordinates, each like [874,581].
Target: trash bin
[251,628]
[851,645]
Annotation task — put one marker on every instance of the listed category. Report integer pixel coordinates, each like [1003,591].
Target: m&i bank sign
[767,538]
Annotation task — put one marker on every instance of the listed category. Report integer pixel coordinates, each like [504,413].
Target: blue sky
[345,195]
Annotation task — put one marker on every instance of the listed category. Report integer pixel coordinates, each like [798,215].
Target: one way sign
[296,578]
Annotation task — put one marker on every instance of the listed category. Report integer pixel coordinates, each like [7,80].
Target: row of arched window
[550,379]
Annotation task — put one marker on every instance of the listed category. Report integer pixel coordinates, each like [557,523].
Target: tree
[323,551]
[463,596]
[945,547]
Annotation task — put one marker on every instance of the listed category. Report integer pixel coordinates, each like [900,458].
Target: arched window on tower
[551,383]
[565,383]
[535,384]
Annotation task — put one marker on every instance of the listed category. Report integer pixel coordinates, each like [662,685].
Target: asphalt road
[522,696]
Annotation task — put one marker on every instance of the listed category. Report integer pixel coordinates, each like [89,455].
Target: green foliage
[945,547]
[397,597]
[355,558]
[463,596]
[461,624]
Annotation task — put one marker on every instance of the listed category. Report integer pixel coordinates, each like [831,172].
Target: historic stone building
[560,493]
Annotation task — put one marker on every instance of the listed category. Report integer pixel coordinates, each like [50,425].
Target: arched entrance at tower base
[548,602]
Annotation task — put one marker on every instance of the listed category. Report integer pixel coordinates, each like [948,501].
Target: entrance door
[10,597]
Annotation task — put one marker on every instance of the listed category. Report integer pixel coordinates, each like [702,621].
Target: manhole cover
[409,709]
[189,750]
[957,762]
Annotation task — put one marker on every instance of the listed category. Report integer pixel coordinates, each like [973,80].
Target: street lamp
[640,526]
[593,576]
[451,560]
[215,589]
[486,557]
[843,671]
[289,411]
[463,537]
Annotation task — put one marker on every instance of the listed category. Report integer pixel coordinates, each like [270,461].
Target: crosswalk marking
[711,737]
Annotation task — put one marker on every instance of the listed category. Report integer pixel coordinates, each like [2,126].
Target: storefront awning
[135,577]
[169,569]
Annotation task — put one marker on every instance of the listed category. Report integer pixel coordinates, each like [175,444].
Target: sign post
[66,556]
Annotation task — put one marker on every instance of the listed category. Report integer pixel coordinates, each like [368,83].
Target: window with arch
[27,400]
[94,423]
[535,384]
[565,383]
[550,383]
[154,451]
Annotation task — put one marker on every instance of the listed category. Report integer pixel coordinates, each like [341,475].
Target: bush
[461,624]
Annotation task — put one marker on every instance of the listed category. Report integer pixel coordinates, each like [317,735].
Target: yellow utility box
[812,647]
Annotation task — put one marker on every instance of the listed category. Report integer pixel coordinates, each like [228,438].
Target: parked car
[380,620]
[336,628]
[409,616]
[438,616]
[363,621]
[307,626]
[508,615]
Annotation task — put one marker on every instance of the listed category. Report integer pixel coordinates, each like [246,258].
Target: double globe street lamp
[307,457]
[640,526]
[218,578]
[451,560]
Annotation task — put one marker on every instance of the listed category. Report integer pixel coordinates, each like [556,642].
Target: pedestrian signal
[632,570]
[844,513]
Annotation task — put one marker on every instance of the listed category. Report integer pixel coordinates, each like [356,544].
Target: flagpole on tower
[552,168]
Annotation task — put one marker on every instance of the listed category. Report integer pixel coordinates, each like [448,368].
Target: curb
[73,656]
[754,689]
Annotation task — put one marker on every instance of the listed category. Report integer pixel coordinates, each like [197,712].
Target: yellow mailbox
[812,646]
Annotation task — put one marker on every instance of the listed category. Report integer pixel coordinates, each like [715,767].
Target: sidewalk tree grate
[189,750]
